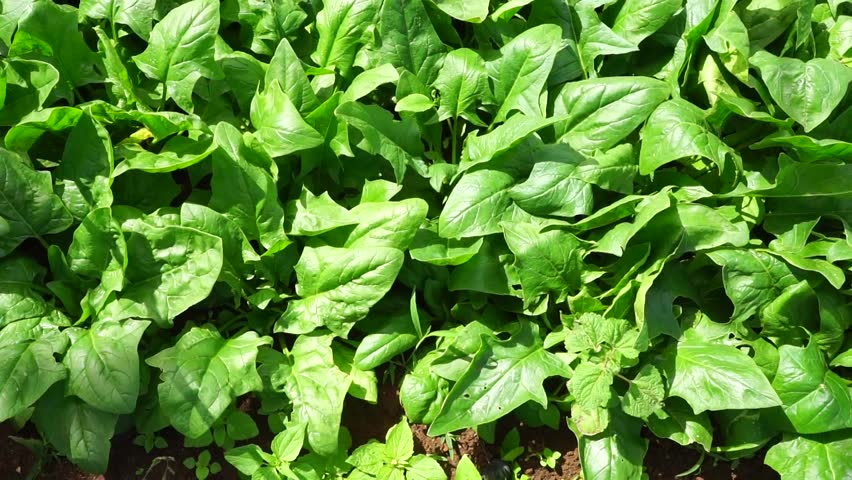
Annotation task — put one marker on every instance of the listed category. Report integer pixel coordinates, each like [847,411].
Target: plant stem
[454,140]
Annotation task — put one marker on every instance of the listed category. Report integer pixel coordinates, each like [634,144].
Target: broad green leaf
[601,112]
[717,377]
[103,365]
[136,14]
[466,470]
[202,374]
[843,360]
[477,204]
[180,50]
[679,423]
[816,400]
[317,388]
[285,67]
[807,91]
[243,188]
[387,224]
[416,103]
[429,247]
[50,32]
[28,206]
[28,86]
[176,153]
[549,262]
[591,385]
[27,365]
[820,458]
[311,215]
[729,39]
[521,71]
[751,279]
[99,251]
[27,132]
[596,39]
[398,142]
[617,453]
[368,81]
[280,128]
[342,28]
[461,82]
[87,162]
[75,429]
[646,393]
[169,269]
[338,286]
[639,19]
[676,130]
[502,376]
[467,11]
[482,149]
[390,334]
[409,40]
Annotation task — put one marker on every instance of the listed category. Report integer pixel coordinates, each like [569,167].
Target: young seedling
[394,459]
[202,465]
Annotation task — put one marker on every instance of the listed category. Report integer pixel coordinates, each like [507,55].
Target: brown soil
[665,459]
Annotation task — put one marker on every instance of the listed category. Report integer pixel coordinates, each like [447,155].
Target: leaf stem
[454,141]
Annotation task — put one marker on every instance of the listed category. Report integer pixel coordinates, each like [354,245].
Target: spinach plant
[616,215]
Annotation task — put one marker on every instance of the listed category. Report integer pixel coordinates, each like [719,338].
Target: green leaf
[520,73]
[50,32]
[27,366]
[288,444]
[729,39]
[202,374]
[398,142]
[717,377]
[280,128]
[646,393]
[243,188]
[103,365]
[617,453]
[136,14]
[387,224]
[163,281]
[317,388]
[820,458]
[676,130]
[591,384]
[816,400]
[177,153]
[752,279]
[429,247]
[466,11]
[679,423]
[603,111]
[596,39]
[502,376]
[399,444]
[409,40]
[416,102]
[549,262]
[338,286]
[28,206]
[482,149]
[639,19]
[28,86]
[342,27]
[180,51]
[87,162]
[461,82]
[466,470]
[76,430]
[477,204]
[807,91]
[285,67]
